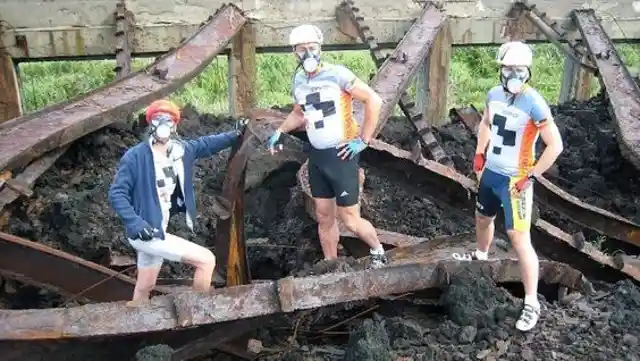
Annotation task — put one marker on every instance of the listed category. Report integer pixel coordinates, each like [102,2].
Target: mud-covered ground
[473,318]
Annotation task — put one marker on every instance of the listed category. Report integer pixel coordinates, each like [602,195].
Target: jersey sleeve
[540,111]
[294,85]
[345,77]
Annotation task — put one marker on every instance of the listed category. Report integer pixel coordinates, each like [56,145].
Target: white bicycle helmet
[305,33]
[515,53]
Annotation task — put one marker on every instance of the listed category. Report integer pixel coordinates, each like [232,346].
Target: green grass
[472,74]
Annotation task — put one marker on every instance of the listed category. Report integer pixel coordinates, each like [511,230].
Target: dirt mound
[478,322]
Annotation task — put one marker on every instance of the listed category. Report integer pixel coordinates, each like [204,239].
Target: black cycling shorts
[332,177]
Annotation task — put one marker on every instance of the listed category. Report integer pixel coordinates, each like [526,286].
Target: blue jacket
[133,194]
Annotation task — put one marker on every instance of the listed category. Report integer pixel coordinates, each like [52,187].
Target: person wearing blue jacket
[154,180]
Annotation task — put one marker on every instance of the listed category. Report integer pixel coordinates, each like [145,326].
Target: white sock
[483,256]
[532,301]
[378,250]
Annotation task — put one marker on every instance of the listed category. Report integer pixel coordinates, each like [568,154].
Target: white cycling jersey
[327,104]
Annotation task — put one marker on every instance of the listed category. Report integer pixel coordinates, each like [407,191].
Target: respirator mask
[513,78]
[309,58]
[162,128]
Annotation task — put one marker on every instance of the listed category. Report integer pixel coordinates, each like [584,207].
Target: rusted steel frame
[550,29]
[469,116]
[626,264]
[395,73]
[350,23]
[229,243]
[29,175]
[451,187]
[36,264]
[598,219]
[409,108]
[622,91]
[27,138]
[190,309]
[609,224]
[123,52]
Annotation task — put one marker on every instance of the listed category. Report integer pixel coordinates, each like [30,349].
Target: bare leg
[145,281]
[365,231]
[200,257]
[529,263]
[328,231]
[485,230]
[362,228]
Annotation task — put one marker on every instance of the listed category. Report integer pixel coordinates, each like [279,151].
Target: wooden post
[576,82]
[433,80]
[242,71]
[10,101]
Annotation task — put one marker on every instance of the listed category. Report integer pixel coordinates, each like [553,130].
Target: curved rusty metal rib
[27,138]
[351,24]
[190,309]
[229,243]
[623,92]
[588,216]
[36,264]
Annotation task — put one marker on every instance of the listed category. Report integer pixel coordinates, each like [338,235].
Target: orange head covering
[163,106]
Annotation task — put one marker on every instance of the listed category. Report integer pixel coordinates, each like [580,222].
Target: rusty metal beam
[229,242]
[395,73]
[29,175]
[350,23]
[230,246]
[123,52]
[36,264]
[622,91]
[598,219]
[439,249]
[244,302]
[26,138]
[554,32]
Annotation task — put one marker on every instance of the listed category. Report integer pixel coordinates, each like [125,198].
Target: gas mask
[310,59]
[513,78]
[162,128]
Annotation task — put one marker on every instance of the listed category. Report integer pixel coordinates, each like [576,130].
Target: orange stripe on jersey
[526,153]
[350,127]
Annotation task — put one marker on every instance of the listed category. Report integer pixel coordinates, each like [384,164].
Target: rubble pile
[473,318]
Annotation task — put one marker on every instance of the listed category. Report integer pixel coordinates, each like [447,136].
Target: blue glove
[351,148]
[273,140]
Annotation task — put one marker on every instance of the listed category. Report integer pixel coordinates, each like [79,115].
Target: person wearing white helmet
[323,95]
[506,166]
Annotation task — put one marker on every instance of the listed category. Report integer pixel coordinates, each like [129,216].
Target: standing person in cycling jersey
[514,117]
[323,96]
[154,180]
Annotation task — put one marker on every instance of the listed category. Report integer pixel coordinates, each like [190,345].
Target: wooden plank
[438,64]
[576,82]
[242,71]
[10,101]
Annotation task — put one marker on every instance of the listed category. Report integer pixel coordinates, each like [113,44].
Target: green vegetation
[472,73]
